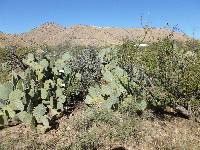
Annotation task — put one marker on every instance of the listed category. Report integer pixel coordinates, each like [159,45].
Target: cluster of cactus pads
[115,87]
[37,94]
[40,93]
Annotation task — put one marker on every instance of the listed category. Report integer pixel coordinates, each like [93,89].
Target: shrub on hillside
[87,63]
[172,67]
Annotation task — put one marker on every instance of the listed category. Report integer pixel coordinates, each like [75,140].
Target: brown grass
[142,134]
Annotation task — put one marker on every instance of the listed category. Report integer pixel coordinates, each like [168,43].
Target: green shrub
[171,67]
[97,116]
[87,141]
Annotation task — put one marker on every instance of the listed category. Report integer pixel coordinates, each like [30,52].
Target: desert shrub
[24,51]
[97,116]
[122,131]
[87,141]
[21,52]
[3,55]
[172,68]
[98,121]
[84,61]
[56,51]
[87,63]
[6,61]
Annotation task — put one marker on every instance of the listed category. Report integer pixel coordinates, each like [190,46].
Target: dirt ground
[150,133]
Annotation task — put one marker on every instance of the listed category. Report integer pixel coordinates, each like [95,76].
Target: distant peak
[48,27]
[53,24]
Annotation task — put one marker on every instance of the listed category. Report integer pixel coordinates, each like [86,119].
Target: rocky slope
[54,34]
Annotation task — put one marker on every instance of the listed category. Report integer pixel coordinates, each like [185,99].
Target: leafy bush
[87,140]
[95,116]
[171,67]
[7,62]
[87,63]
[3,55]
[97,121]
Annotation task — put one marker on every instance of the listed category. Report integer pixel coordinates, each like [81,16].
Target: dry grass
[140,133]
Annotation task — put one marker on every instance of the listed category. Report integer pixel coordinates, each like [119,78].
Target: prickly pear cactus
[110,90]
[115,85]
[38,94]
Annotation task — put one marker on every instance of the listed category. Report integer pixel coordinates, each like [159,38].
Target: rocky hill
[54,34]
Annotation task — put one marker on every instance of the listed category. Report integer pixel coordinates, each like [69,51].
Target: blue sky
[17,16]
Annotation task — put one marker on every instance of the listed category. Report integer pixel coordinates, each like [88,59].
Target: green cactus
[116,85]
[108,94]
[5,90]
[38,94]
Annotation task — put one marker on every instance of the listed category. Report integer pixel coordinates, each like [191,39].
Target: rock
[182,110]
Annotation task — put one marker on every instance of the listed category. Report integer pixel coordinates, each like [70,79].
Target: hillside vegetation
[84,97]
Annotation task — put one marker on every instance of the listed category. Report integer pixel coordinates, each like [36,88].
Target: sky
[18,16]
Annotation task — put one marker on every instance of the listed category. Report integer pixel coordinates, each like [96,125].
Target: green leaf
[30,57]
[22,75]
[61,98]
[32,88]
[25,117]
[106,90]
[67,70]
[41,129]
[52,102]
[49,83]
[39,110]
[59,92]
[52,112]
[45,121]
[39,113]
[142,105]
[15,98]
[16,95]
[108,76]
[95,100]
[20,85]
[39,74]
[44,63]
[9,110]
[44,93]
[16,105]
[5,90]
[60,102]
[78,76]
[89,100]
[66,56]
[94,91]
[110,102]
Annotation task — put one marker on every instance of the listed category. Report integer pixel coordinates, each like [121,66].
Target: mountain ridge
[53,34]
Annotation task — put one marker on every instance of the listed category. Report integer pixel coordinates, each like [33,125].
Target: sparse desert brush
[173,68]
[118,85]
